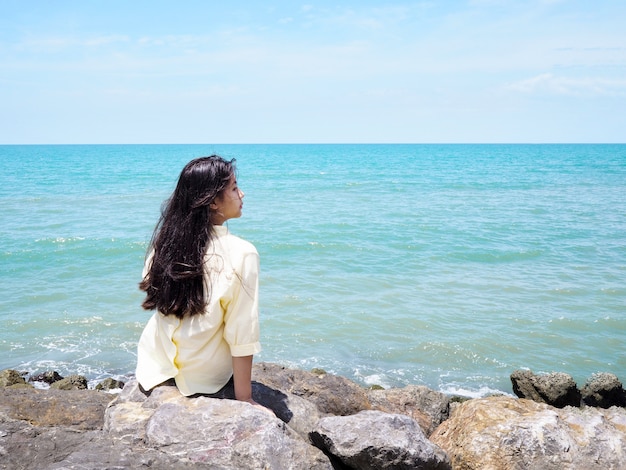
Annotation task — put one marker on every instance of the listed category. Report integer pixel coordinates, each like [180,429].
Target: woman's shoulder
[242,246]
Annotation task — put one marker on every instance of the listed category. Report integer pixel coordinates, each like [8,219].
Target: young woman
[203,283]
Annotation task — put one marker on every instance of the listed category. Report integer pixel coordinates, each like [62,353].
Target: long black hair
[174,283]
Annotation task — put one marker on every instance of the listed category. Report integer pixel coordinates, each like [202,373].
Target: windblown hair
[174,283]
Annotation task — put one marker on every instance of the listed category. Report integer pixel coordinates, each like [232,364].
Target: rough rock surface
[499,433]
[378,440]
[10,378]
[48,377]
[218,433]
[301,415]
[556,389]
[73,382]
[39,428]
[27,447]
[428,407]
[81,409]
[604,390]
[110,384]
[332,394]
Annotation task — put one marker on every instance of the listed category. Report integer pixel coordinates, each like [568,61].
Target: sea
[449,266]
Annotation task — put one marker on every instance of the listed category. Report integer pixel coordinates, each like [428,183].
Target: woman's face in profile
[229,204]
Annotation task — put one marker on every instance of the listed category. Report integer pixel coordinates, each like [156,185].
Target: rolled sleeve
[241,318]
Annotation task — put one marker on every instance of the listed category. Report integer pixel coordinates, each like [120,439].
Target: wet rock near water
[15,379]
[47,377]
[12,378]
[73,382]
[604,390]
[110,384]
[558,389]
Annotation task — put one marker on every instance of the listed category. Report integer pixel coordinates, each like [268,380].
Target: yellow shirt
[197,350]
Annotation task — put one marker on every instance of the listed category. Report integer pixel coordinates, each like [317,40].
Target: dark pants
[226,392]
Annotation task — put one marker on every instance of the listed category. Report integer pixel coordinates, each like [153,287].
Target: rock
[301,415]
[428,407]
[556,389]
[79,409]
[25,447]
[604,390]
[110,384]
[501,433]
[332,394]
[83,429]
[378,440]
[73,382]
[48,377]
[10,377]
[208,431]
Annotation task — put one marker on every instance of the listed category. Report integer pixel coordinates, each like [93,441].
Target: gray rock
[428,407]
[24,446]
[209,431]
[78,409]
[604,390]
[73,382]
[378,440]
[48,377]
[503,433]
[229,434]
[110,384]
[161,429]
[332,394]
[300,414]
[556,389]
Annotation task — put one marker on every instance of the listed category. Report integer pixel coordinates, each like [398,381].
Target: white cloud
[548,83]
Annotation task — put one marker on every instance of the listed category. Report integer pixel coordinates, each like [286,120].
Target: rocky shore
[317,421]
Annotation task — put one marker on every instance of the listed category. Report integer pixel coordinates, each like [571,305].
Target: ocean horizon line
[310,143]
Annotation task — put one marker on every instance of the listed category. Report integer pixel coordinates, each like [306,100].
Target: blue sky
[306,72]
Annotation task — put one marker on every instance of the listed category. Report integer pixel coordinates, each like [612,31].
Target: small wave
[471,393]
[59,240]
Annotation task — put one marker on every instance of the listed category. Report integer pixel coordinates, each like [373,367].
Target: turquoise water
[443,265]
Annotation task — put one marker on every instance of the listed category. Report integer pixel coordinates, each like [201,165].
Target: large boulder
[79,409]
[39,428]
[217,433]
[556,389]
[332,394]
[428,407]
[377,440]
[501,433]
[24,446]
[604,390]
